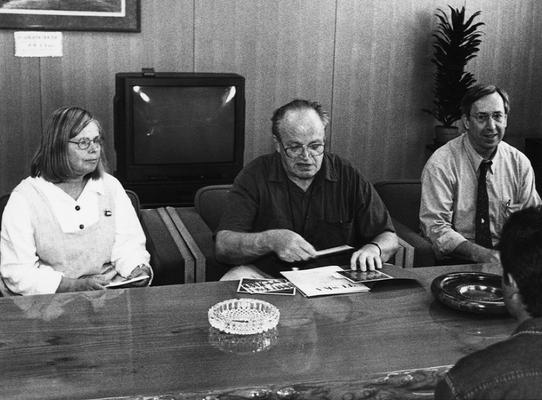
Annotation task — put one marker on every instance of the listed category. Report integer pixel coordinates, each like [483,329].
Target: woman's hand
[142,269]
[91,282]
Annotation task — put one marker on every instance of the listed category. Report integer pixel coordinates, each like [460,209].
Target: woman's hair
[51,159]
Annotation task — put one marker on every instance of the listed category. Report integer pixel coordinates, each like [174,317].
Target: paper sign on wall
[38,44]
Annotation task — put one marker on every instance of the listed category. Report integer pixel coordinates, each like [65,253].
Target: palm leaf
[456,42]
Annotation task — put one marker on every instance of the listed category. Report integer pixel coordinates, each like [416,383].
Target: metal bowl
[475,292]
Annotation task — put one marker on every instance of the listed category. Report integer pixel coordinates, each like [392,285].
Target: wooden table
[156,343]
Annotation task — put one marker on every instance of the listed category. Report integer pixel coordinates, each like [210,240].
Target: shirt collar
[475,158]
[93,185]
[277,173]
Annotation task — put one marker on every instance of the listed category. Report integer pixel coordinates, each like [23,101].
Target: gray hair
[297,104]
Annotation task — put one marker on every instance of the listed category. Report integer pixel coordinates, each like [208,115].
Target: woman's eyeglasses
[84,143]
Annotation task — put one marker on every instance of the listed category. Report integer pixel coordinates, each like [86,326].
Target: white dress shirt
[19,262]
[449,192]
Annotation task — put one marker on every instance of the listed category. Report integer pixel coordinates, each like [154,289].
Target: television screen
[177,131]
[183,124]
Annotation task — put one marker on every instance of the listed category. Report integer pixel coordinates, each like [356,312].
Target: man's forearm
[240,247]
[388,243]
[472,251]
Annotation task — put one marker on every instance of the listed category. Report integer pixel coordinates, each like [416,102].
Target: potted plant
[457,41]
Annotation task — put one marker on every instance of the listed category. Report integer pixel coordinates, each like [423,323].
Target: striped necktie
[483,233]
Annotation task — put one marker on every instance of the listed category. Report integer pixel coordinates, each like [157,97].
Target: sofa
[402,198]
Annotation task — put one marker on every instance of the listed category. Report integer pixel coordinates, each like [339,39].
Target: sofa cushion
[209,202]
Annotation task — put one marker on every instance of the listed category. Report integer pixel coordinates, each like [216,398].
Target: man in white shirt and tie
[461,218]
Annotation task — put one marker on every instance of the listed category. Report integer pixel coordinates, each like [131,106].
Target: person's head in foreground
[521,258]
[511,369]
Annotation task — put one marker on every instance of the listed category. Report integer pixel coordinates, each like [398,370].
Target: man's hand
[366,258]
[472,251]
[492,256]
[290,246]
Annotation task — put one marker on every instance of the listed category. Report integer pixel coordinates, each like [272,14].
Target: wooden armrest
[166,259]
[203,237]
[423,251]
[405,254]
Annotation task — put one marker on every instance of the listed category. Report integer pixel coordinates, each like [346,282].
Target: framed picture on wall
[71,15]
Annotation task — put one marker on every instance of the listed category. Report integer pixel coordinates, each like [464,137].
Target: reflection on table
[156,343]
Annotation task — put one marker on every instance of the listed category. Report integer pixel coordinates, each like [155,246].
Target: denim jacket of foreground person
[515,373]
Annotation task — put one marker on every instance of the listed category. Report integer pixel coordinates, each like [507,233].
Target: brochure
[323,281]
[266,286]
[364,276]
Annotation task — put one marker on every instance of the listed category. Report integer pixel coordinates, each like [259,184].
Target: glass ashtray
[243,344]
[243,316]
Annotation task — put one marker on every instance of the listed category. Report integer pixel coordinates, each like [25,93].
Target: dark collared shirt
[511,369]
[339,208]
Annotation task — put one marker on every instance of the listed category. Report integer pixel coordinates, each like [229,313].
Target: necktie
[483,234]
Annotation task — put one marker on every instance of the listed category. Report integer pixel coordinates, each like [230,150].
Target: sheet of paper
[332,250]
[38,44]
[123,282]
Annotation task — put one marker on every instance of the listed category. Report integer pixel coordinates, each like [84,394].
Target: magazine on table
[364,276]
[323,281]
[266,286]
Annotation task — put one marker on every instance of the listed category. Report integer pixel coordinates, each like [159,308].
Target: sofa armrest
[423,251]
[203,237]
[404,257]
[166,260]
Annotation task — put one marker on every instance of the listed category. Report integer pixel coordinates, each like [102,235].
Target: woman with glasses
[70,226]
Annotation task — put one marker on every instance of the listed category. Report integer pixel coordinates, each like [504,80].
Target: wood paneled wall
[366,61]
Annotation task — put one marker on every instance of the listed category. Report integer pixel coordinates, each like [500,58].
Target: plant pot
[444,134]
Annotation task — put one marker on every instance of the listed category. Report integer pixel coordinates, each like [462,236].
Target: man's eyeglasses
[483,118]
[84,143]
[314,149]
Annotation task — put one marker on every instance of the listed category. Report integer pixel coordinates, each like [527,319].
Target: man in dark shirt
[511,369]
[285,206]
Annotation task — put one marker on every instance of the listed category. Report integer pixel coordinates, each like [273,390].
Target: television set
[176,132]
